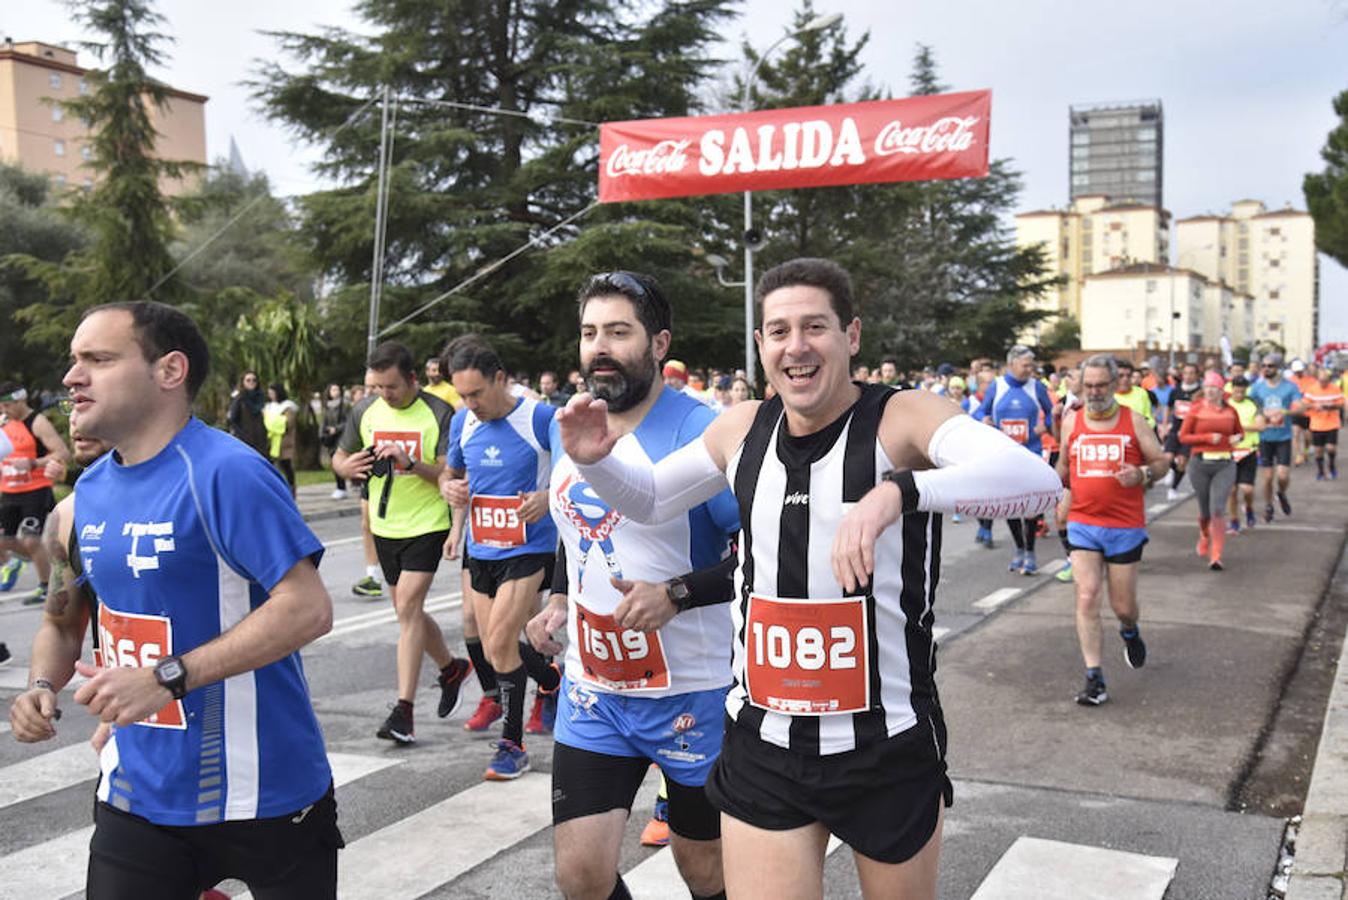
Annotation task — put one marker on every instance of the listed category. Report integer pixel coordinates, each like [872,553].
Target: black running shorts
[1246,469]
[881,800]
[487,575]
[1173,445]
[585,783]
[1273,453]
[290,857]
[1302,422]
[29,507]
[415,554]
[1324,438]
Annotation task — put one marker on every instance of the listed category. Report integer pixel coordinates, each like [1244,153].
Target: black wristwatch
[907,487]
[172,674]
[676,589]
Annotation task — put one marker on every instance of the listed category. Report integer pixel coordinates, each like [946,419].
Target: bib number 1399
[807,657]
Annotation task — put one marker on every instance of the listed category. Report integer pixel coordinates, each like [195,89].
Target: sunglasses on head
[623,282]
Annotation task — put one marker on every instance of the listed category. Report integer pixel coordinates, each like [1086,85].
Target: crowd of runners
[740,592]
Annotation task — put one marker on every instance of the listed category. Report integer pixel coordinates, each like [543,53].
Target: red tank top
[1093,459]
[17,477]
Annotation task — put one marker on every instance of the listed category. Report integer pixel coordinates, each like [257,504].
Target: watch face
[170,670]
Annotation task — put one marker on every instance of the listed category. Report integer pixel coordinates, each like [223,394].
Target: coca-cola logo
[950,134]
[664,158]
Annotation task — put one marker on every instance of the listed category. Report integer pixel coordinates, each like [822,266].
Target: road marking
[1053,567]
[997,598]
[1157,508]
[4,727]
[417,854]
[58,867]
[658,878]
[1035,868]
[337,542]
[47,772]
[938,632]
[388,615]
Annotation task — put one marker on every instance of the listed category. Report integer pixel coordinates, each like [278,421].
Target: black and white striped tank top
[837,671]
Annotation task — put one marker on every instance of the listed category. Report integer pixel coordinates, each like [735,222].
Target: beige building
[1268,255]
[1091,237]
[1162,309]
[41,137]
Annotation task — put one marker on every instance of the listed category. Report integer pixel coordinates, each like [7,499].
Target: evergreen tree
[937,275]
[468,186]
[1327,192]
[125,214]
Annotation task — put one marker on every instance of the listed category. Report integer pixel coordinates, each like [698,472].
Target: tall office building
[1116,152]
[37,134]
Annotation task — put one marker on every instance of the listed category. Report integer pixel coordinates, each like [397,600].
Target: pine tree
[468,186]
[1327,192]
[125,214]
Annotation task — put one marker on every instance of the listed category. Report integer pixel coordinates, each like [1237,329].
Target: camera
[382,468]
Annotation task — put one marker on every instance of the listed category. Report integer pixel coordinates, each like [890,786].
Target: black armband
[561,583]
[708,587]
[907,485]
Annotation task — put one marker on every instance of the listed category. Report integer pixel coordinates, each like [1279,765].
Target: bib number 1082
[776,647]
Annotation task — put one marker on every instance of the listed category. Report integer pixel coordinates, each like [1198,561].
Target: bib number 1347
[807,657]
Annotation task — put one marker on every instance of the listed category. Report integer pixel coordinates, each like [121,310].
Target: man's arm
[44,431]
[298,610]
[59,639]
[1153,454]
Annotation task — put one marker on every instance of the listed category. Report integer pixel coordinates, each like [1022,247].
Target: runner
[982,381]
[436,385]
[395,441]
[1182,397]
[1019,406]
[1324,403]
[25,490]
[1277,399]
[215,586]
[1110,459]
[1245,453]
[1303,377]
[501,444]
[1212,428]
[802,698]
[370,586]
[1131,395]
[646,678]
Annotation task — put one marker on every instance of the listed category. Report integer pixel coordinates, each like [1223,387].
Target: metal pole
[377,264]
[749,368]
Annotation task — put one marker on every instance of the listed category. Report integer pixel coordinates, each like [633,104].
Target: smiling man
[835,723]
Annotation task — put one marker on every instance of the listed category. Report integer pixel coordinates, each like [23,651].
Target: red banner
[914,139]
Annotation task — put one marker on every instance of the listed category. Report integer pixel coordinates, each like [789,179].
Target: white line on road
[658,878]
[47,772]
[1035,868]
[346,540]
[58,867]
[938,632]
[997,598]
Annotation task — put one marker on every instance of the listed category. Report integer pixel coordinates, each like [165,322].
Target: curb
[1318,869]
[324,515]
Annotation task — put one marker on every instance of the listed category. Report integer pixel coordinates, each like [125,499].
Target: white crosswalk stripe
[1034,868]
[56,868]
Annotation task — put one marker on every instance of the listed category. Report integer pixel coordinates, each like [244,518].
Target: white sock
[373,572]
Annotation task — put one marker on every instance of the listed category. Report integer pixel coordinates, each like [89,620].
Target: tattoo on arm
[58,591]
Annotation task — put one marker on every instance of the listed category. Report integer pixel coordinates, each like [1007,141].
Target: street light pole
[818,23]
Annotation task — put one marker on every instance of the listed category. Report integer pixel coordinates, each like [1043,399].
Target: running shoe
[982,535]
[1319,476]
[338,494]
[656,832]
[535,723]
[1333,474]
[1172,495]
[4,654]
[1249,517]
[9,573]
[1284,503]
[488,711]
[509,763]
[1094,693]
[1029,565]
[955,518]
[38,596]
[397,727]
[368,587]
[1233,526]
[1017,561]
[1134,649]
[450,698]
[1268,513]
[1065,574]
[1215,565]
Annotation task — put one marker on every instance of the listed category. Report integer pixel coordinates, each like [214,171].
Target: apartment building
[1116,152]
[1163,309]
[37,134]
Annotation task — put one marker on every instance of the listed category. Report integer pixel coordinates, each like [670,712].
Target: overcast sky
[1246,84]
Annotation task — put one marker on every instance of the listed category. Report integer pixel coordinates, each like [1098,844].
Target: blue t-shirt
[179,549]
[1276,404]
[1016,408]
[503,458]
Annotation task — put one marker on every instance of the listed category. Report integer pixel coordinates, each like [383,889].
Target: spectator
[335,411]
[549,389]
[245,413]
[279,418]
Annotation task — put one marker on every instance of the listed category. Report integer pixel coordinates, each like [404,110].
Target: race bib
[1099,455]
[409,441]
[619,659]
[132,639]
[1275,416]
[496,521]
[1017,430]
[1182,408]
[807,657]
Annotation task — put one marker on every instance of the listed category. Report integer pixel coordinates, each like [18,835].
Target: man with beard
[648,655]
[1110,457]
[497,467]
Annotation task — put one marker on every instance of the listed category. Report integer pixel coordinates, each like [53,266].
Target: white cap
[1298,366]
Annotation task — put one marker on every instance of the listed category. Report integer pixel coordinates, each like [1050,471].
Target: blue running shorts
[1118,545]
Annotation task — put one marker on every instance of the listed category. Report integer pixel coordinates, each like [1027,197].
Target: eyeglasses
[623,281]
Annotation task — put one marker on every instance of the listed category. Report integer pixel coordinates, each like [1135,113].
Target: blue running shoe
[1029,565]
[9,573]
[1017,561]
[509,763]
